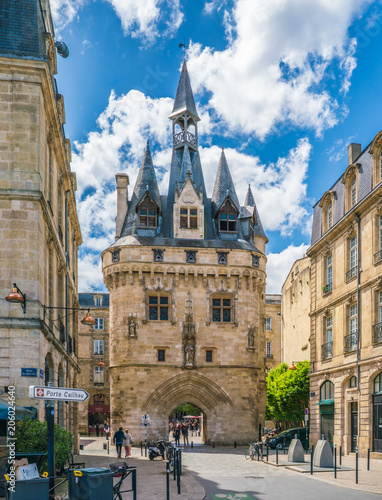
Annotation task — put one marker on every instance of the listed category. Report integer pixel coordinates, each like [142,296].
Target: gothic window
[159,307]
[98,324]
[222,258]
[158,255]
[255,260]
[115,255]
[353,192]
[222,309]
[191,256]
[227,218]
[98,347]
[98,375]
[147,212]
[189,218]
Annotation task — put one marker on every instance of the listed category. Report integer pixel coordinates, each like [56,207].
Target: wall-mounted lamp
[292,367]
[101,363]
[17,297]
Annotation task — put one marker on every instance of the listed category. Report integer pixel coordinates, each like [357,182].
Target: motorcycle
[157,450]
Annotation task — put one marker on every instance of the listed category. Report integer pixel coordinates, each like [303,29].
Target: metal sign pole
[50,425]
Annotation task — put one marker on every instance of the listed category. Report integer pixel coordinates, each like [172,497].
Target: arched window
[227,218]
[353,192]
[327,391]
[353,382]
[378,384]
[148,213]
[330,215]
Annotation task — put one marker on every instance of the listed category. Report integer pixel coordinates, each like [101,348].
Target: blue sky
[283,85]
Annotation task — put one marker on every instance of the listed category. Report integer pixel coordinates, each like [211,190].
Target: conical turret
[223,186]
[184,100]
[249,199]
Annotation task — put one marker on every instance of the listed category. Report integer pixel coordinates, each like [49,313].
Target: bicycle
[253,450]
[122,470]
[169,455]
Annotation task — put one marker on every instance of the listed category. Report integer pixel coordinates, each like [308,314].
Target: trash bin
[96,483]
[32,489]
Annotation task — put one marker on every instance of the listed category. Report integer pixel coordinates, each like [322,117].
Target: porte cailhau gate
[186,277]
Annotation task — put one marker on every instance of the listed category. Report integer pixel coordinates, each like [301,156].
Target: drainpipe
[66,282]
[358,221]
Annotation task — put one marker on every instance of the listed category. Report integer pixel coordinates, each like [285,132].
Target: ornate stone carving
[115,255]
[132,326]
[189,335]
[327,250]
[251,337]
[351,228]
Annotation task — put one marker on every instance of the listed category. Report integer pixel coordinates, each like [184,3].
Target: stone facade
[93,350]
[295,313]
[39,228]
[272,326]
[346,306]
[186,278]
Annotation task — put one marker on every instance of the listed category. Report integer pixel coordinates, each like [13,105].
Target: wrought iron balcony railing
[351,273]
[327,288]
[378,256]
[377,333]
[327,350]
[185,137]
[350,342]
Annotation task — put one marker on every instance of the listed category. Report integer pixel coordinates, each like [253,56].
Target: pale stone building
[346,306]
[272,326]
[295,330]
[39,228]
[93,358]
[186,278]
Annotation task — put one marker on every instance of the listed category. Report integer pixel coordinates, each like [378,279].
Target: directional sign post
[146,423]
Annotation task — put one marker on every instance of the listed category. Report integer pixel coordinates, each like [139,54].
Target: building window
[99,324]
[351,338]
[227,218]
[352,382]
[147,212]
[329,274]
[98,347]
[353,255]
[329,329]
[327,347]
[255,260]
[158,307]
[268,323]
[330,215]
[378,384]
[161,355]
[327,391]
[98,375]
[98,301]
[115,255]
[353,192]
[353,319]
[380,168]
[377,328]
[189,218]
[191,256]
[222,258]
[99,399]
[158,255]
[221,310]
[268,350]
[208,356]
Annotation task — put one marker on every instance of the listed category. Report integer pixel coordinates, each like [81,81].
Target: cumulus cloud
[64,12]
[90,273]
[274,69]
[279,265]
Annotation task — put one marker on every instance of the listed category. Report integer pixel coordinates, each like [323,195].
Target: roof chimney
[354,150]
[122,183]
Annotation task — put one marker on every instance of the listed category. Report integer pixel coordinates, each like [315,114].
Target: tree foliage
[288,393]
[32,436]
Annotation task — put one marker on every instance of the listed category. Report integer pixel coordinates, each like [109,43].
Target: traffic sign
[306,411]
[57,393]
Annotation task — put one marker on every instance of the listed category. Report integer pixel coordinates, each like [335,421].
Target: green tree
[288,393]
[32,436]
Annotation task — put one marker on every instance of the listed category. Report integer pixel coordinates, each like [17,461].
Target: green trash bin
[31,489]
[96,483]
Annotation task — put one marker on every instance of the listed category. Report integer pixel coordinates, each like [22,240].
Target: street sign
[57,393]
[306,411]
[306,419]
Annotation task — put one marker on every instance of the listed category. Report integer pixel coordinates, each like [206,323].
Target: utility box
[96,483]
[296,451]
[323,455]
[32,489]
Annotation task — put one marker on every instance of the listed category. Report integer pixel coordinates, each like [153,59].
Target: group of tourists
[124,439]
[178,428]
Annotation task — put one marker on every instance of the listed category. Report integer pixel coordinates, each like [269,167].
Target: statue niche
[189,334]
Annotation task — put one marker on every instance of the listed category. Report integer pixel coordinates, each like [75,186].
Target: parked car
[285,437]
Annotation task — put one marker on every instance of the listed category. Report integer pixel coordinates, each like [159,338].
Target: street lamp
[17,297]
[292,367]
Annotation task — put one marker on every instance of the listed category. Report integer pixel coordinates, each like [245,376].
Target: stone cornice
[148,365]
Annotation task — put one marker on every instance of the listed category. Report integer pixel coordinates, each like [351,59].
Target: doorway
[190,417]
[354,425]
[377,422]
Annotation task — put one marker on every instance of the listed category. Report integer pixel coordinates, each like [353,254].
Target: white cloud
[90,273]
[64,12]
[273,70]
[279,265]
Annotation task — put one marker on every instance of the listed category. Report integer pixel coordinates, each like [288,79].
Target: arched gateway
[186,277]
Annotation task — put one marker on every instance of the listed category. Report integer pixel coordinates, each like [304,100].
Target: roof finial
[184,48]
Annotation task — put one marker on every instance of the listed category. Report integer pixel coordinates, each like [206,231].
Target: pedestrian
[118,440]
[107,430]
[97,429]
[177,435]
[185,433]
[127,442]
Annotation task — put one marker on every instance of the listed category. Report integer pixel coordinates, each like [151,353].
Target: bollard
[356,465]
[341,455]
[277,456]
[82,447]
[178,475]
[108,447]
[105,446]
[311,460]
[180,461]
[234,445]
[134,483]
[267,452]
[168,481]
[368,459]
[284,446]
[258,453]
[335,461]
[213,444]
[192,444]
[141,449]
[175,463]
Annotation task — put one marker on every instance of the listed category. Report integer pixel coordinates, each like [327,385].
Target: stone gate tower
[186,277]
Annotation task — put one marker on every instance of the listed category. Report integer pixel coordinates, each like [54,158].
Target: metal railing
[378,256]
[377,333]
[351,273]
[185,137]
[327,288]
[327,350]
[350,342]
[269,356]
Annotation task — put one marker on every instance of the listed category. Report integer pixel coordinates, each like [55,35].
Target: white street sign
[57,393]
[306,419]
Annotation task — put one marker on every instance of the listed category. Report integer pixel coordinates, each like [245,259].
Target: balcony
[185,136]
[378,257]
[377,333]
[350,343]
[61,328]
[326,351]
[327,289]
[352,273]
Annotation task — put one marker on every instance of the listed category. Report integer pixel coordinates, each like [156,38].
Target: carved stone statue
[189,356]
[251,337]
[132,328]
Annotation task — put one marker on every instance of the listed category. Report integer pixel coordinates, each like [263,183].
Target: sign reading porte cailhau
[57,393]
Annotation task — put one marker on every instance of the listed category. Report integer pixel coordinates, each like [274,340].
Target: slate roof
[223,186]
[184,100]
[249,199]
[364,187]
[87,299]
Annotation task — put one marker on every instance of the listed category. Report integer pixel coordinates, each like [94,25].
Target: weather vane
[184,47]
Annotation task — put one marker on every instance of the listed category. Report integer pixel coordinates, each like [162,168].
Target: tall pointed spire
[223,186]
[186,165]
[184,100]
[249,199]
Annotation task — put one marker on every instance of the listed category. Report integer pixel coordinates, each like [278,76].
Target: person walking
[107,430]
[177,435]
[185,433]
[97,429]
[118,440]
[127,442]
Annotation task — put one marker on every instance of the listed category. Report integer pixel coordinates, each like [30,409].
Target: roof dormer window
[148,213]
[228,218]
